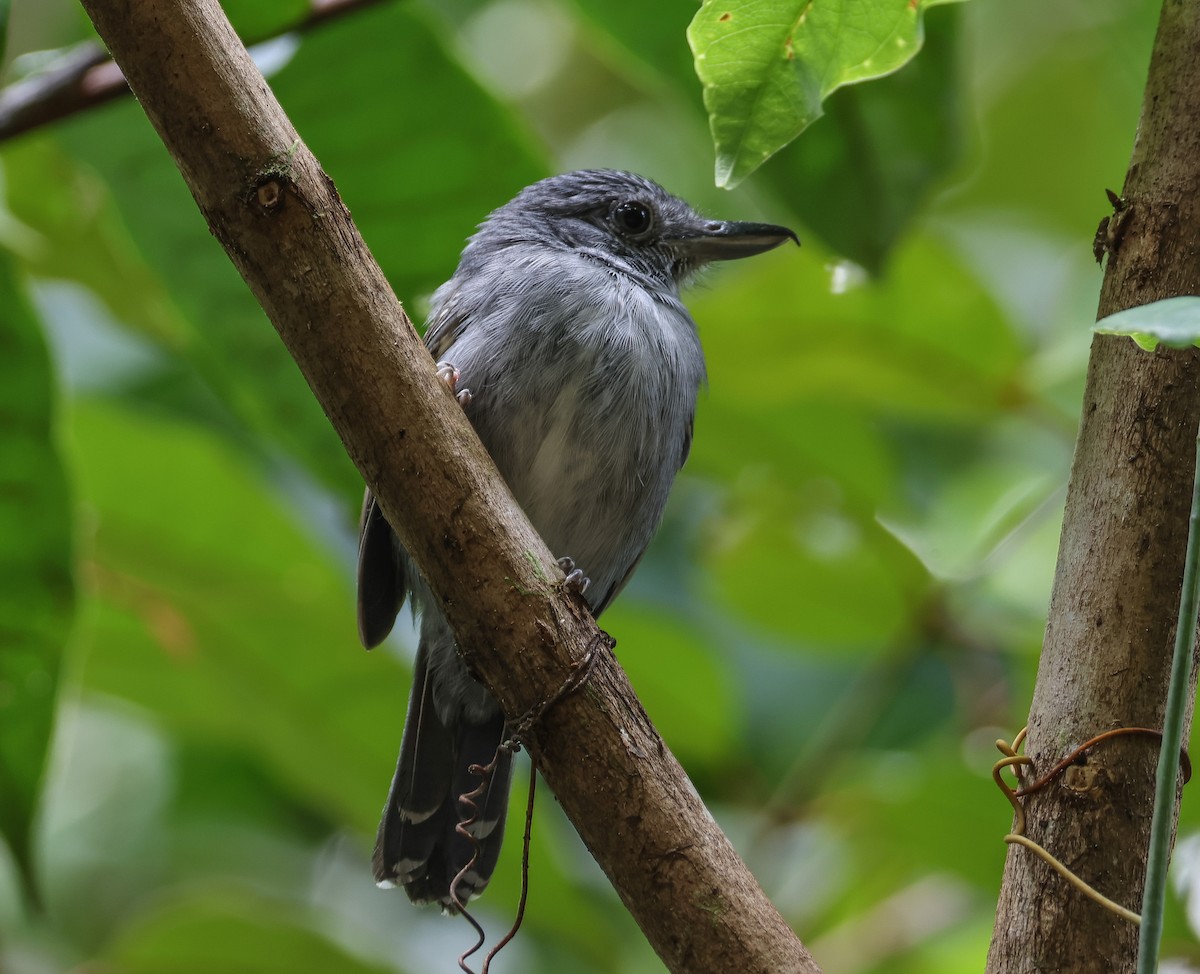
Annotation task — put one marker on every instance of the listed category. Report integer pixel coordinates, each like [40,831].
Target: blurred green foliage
[841,612]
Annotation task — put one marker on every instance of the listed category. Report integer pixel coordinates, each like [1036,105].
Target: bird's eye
[632,217]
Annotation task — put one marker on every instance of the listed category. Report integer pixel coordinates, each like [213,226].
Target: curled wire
[524,875]
[470,799]
[1019,762]
[463,828]
[523,732]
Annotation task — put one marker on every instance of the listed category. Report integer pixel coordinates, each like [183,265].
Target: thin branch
[282,223]
[84,77]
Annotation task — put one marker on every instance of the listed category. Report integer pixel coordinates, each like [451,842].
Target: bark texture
[281,221]
[1109,638]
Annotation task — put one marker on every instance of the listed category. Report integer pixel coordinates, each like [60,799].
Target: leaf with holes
[766,65]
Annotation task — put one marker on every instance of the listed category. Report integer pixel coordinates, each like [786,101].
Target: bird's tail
[420,845]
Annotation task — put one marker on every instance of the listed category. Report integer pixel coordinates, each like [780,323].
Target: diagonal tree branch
[282,223]
[1107,653]
[84,77]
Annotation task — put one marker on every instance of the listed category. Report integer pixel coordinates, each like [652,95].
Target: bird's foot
[449,376]
[576,580]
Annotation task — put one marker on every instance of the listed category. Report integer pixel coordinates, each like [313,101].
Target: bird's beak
[717,240]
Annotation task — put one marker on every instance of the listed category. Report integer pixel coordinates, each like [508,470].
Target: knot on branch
[270,186]
[268,195]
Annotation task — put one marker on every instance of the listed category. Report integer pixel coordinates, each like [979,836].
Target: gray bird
[563,333]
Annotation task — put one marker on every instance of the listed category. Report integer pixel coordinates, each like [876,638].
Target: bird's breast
[587,416]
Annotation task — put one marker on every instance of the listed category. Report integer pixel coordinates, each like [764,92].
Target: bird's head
[625,220]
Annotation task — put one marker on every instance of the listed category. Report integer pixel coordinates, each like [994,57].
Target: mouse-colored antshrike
[563,332]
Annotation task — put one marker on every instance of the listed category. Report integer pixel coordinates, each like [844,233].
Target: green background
[843,608]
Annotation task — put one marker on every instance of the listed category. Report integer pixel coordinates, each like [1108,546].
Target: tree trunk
[1109,638]
[285,228]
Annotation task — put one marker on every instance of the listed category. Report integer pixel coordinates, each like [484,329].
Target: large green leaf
[917,836]
[235,931]
[794,561]
[36,586]
[215,611]
[766,66]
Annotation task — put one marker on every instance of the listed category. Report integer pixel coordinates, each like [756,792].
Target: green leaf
[1174,322]
[216,612]
[766,66]
[913,837]
[234,930]
[36,585]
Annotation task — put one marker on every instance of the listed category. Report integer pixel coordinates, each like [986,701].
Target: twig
[84,77]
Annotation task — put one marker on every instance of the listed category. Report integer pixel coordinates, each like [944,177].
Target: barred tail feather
[418,845]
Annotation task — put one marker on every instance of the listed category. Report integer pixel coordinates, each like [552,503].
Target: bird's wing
[383,581]
[382,584]
[446,324]
[606,599]
[686,447]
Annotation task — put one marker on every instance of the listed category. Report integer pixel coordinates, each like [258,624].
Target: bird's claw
[576,580]
[449,376]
